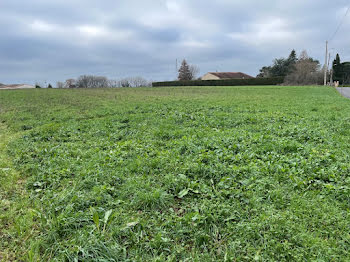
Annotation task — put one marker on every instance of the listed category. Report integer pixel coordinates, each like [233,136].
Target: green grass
[175,174]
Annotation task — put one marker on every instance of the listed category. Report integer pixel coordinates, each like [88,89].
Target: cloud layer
[54,40]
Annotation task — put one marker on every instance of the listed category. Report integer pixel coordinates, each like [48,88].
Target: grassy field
[175,174]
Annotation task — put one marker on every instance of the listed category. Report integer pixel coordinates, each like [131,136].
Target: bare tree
[138,82]
[59,85]
[113,83]
[84,81]
[194,71]
[134,82]
[90,81]
[304,55]
[306,72]
[100,82]
[70,83]
[125,82]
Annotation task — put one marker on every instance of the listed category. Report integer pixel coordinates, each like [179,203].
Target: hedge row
[225,82]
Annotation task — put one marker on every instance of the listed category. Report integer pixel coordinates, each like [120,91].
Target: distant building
[225,75]
[21,86]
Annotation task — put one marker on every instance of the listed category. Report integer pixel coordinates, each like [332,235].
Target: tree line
[92,81]
[296,70]
[305,70]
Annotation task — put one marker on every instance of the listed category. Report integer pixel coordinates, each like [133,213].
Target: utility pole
[177,70]
[326,65]
[331,77]
[330,70]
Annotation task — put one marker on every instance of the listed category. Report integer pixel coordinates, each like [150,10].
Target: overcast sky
[52,40]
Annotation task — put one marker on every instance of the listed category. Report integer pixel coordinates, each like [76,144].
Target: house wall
[210,77]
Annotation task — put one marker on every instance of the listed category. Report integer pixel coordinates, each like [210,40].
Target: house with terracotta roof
[225,75]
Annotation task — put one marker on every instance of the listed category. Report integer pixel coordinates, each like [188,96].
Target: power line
[340,24]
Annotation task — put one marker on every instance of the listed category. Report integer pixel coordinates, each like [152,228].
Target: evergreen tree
[265,71]
[280,67]
[184,71]
[49,86]
[341,71]
[293,57]
[292,60]
[337,69]
[337,59]
[346,73]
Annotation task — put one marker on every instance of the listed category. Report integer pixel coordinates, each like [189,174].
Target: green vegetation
[175,174]
[341,71]
[296,71]
[281,66]
[226,82]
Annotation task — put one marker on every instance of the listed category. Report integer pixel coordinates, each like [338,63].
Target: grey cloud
[53,40]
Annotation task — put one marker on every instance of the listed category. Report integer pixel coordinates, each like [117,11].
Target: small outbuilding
[225,75]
